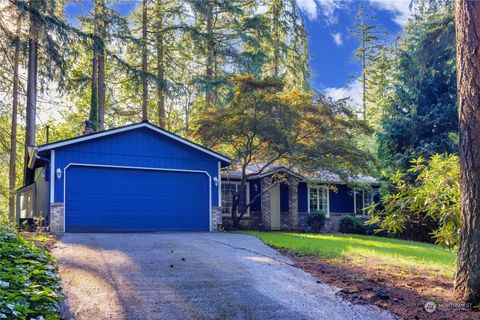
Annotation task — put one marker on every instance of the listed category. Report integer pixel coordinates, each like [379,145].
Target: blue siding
[127,200]
[302,197]
[342,200]
[137,148]
[283,197]
[255,188]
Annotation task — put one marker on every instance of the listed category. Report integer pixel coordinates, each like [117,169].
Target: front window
[318,199]
[362,200]
[229,190]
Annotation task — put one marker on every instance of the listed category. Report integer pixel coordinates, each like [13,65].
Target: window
[363,198]
[318,199]
[229,189]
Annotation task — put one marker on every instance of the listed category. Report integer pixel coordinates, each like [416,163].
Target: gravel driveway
[191,276]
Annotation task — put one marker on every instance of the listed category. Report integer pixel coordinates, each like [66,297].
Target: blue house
[284,205]
[141,178]
[136,178]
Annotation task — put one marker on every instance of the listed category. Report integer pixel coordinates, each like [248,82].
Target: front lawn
[357,249]
[397,275]
[29,286]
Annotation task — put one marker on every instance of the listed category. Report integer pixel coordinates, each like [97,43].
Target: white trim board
[52,177]
[128,128]
[137,168]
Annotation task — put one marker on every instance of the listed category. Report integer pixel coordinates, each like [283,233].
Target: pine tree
[421,110]
[368,52]
[144,61]
[467,281]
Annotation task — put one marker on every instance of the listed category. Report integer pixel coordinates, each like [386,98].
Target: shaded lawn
[358,249]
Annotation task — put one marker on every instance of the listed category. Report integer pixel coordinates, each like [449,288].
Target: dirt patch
[41,239]
[403,292]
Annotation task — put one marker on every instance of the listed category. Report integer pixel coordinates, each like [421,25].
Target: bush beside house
[29,286]
[315,221]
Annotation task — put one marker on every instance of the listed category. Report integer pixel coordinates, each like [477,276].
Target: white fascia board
[140,125]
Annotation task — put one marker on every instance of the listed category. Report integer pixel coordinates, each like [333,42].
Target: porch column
[293,204]
[266,183]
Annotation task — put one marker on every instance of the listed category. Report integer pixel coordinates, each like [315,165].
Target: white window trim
[362,190]
[247,201]
[318,197]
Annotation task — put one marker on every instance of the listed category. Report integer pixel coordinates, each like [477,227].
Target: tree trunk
[28,177]
[94,93]
[364,79]
[276,38]
[209,93]
[467,281]
[13,132]
[101,66]
[144,63]
[160,67]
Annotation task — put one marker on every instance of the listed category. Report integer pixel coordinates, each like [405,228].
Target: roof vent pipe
[88,127]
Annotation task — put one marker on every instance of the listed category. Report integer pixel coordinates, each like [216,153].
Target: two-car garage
[112,199]
[136,178]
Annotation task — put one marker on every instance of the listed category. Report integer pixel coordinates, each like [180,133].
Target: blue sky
[331,45]
[333,68]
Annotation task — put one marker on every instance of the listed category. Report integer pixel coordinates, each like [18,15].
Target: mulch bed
[403,292]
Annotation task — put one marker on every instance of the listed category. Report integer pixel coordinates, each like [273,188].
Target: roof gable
[97,135]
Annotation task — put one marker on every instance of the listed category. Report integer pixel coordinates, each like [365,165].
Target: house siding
[255,187]
[135,148]
[41,193]
[342,200]
[284,197]
[302,197]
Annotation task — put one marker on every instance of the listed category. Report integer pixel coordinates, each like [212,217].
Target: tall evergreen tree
[368,52]
[421,119]
[144,61]
[467,281]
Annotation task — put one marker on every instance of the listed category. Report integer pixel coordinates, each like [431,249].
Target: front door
[275,208]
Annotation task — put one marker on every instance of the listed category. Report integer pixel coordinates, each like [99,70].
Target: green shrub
[315,221]
[350,224]
[432,199]
[29,286]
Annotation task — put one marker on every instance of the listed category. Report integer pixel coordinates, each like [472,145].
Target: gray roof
[321,175]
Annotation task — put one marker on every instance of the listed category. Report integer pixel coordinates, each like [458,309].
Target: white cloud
[309,7]
[337,38]
[400,9]
[353,91]
[326,7]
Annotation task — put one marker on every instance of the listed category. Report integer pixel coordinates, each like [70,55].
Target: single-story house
[286,205]
[141,178]
[135,178]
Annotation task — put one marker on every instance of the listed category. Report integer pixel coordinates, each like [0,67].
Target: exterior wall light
[58,172]
[215,181]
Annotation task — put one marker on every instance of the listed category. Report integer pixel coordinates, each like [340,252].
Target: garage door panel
[100,199]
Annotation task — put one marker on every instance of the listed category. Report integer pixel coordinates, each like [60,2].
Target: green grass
[358,249]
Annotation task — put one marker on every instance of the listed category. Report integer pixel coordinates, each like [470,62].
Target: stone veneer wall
[57,217]
[266,183]
[293,205]
[217,221]
[302,216]
[252,222]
